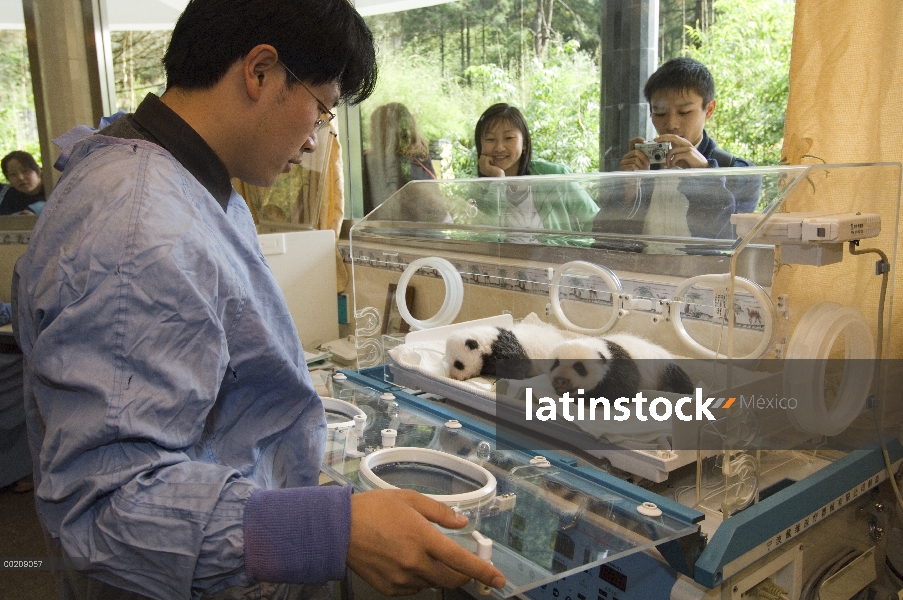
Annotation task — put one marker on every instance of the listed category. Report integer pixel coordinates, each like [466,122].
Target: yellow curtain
[310,196]
[331,203]
[846,98]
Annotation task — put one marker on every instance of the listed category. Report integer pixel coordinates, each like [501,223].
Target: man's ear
[709,109]
[259,67]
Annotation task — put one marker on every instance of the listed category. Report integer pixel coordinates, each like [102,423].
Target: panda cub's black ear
[555,364]
[602,357]
[472,344]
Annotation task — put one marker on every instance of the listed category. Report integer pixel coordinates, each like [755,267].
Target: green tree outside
[18,129]
[138,65]
[747,50]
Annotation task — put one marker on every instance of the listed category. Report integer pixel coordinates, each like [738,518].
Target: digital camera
[657,152]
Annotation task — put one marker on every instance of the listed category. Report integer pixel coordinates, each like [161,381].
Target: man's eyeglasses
[326,115]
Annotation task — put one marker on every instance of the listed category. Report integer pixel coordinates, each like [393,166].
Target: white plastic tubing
[606,274]
[454,293]
[720,282]
[807,354]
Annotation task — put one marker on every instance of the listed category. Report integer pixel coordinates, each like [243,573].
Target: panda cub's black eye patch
[459,365]
[580,368]
[472,344]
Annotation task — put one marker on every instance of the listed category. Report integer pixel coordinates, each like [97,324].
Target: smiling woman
[503,142]
[504,149]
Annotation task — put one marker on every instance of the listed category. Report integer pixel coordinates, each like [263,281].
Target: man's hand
[396,549]
[487,169]
[683,154]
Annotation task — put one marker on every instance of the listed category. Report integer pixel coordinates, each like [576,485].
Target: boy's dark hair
[505,112]
[321,41]
[25,159]
[682,74]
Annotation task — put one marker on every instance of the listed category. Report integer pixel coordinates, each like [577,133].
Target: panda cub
[615,366]
[475,351]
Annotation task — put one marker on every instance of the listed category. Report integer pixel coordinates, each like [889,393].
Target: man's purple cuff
[297,535]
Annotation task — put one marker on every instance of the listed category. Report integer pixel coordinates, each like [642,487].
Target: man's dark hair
[682,74]
[505,112]
[25,159]
[320,41]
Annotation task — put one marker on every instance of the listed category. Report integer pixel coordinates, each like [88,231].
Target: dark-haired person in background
[681,96]
[176,432]
[398,153]
[504,149]
[25,193]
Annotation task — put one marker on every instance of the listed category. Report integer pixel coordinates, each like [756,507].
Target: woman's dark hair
[680,74]
[25,159]
[320,41]
[505,112]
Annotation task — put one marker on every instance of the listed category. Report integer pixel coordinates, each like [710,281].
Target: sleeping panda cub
[616,366]
[475,351]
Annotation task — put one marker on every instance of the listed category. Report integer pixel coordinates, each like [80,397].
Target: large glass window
[139,34]
[137,65]
[443,65]
[18,127]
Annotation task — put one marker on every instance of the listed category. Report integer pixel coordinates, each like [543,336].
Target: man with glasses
[326,115]
[176,433]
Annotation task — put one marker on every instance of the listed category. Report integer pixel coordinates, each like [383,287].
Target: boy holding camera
[681,96]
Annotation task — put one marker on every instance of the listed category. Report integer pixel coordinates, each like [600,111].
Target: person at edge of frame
[175,430]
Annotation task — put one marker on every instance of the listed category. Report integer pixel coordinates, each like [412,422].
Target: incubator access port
[444,477]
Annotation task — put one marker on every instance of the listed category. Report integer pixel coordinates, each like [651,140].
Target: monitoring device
[809,238]
[810,227]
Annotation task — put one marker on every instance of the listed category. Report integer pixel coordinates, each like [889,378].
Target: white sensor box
[809,227]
